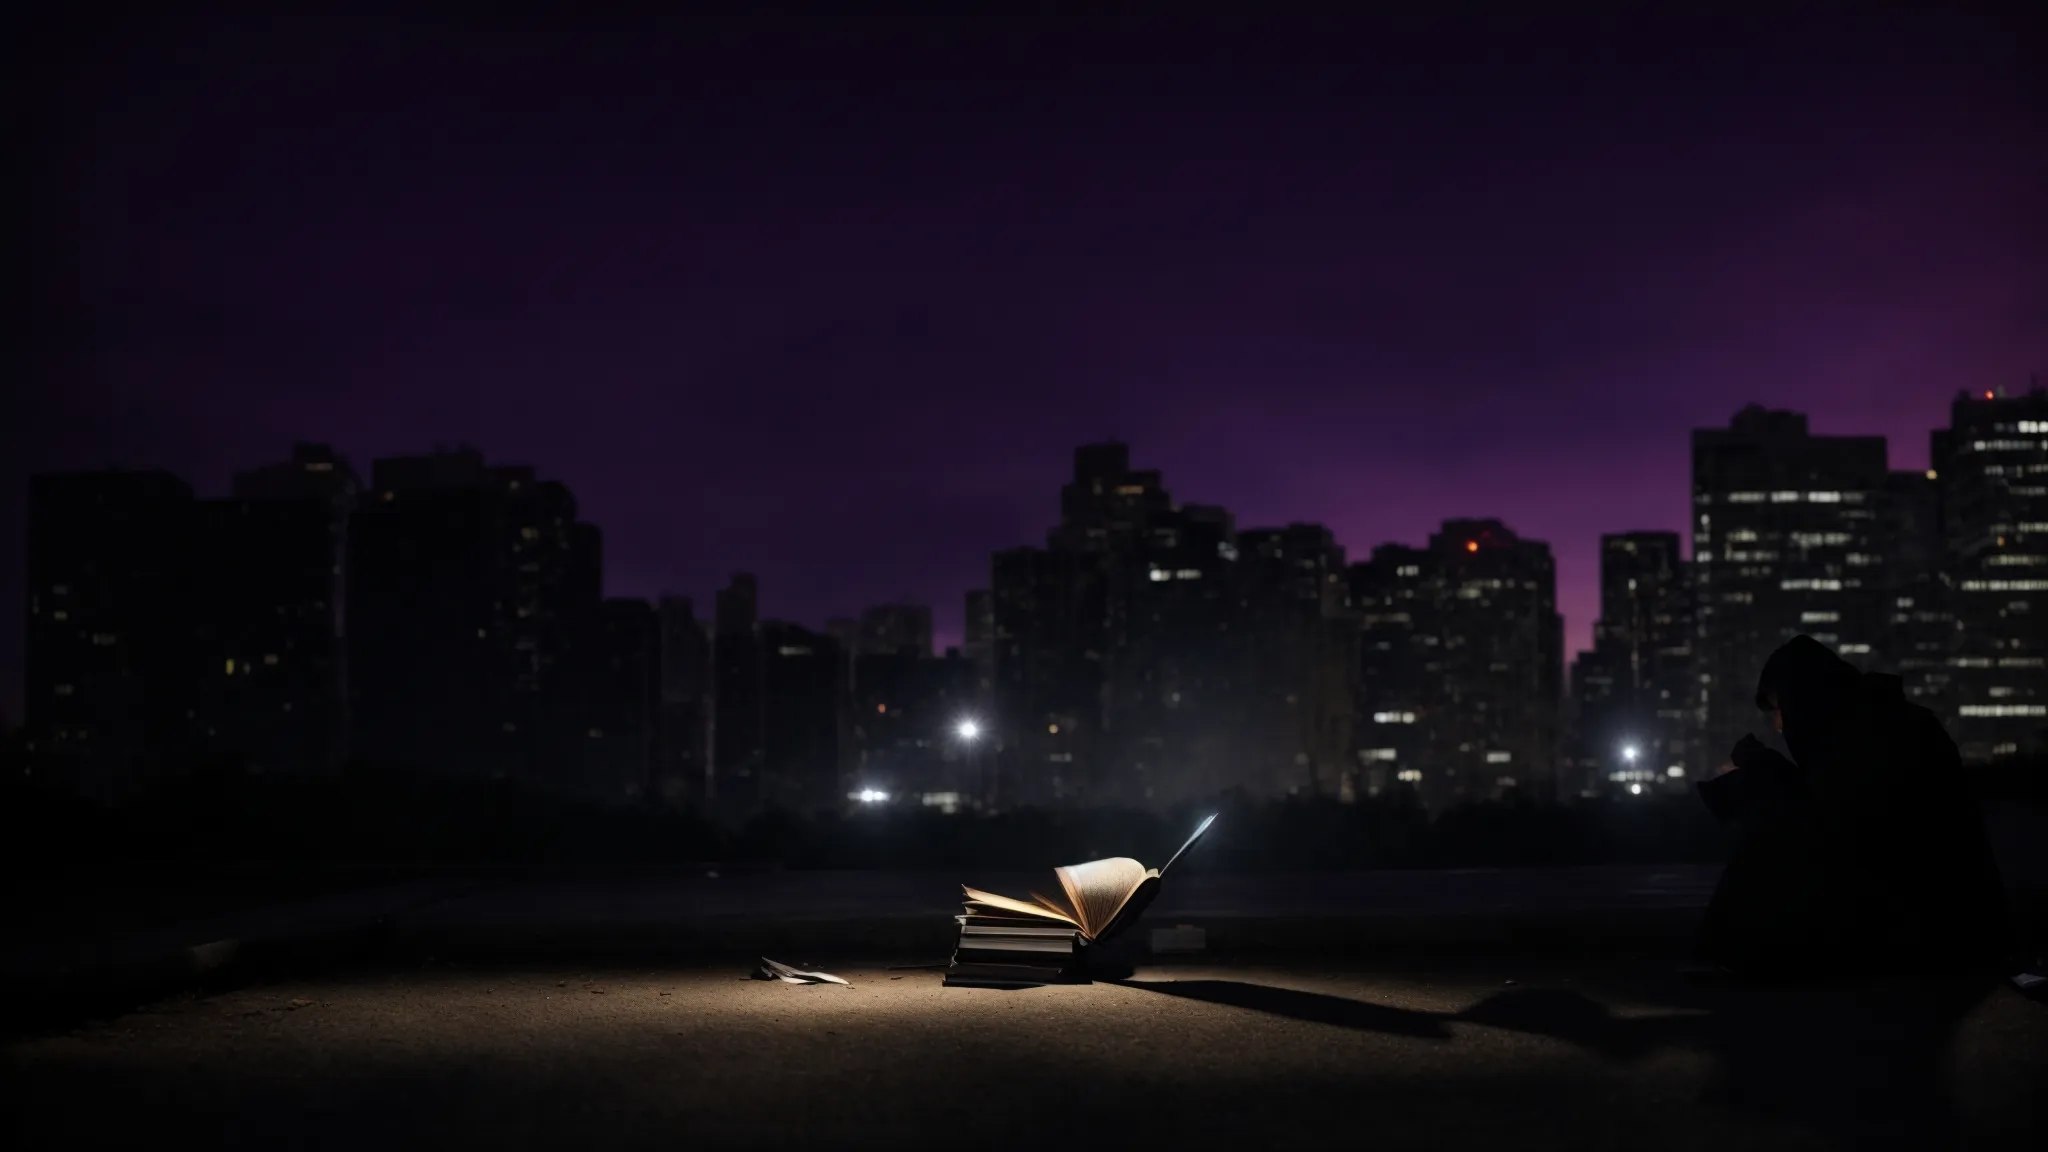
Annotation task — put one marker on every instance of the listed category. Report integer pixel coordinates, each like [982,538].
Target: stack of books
[1010,943]
[1004,951]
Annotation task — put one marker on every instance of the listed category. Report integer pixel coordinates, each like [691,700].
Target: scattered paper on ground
[770,970]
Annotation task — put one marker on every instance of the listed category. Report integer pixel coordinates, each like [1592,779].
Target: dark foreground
[1482,1054]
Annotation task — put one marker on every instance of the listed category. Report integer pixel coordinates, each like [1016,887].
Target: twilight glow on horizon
[832,298]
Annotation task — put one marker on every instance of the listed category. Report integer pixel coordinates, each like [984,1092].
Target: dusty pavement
[1485,1057]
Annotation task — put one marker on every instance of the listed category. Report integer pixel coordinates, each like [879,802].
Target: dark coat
[1865,848]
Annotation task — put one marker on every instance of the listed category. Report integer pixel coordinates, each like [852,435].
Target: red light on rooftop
[881,707]
[1471,545]
[1989,396]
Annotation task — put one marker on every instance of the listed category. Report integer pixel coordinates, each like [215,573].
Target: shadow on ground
[1862,1063]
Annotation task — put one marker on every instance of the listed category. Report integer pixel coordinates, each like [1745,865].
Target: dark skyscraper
[1298,674]
[269,696]
[1462,666]
[805,713]
[1992,465]
[737,690]
[467,586]
[978,643]
[684,749]
[109,644]
[1400,661]
[619,675]
[1494,729]
[1788,538]
[1634,712]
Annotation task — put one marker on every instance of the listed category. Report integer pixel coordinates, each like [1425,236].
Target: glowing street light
[968,730]
[872,796]
[1628,753]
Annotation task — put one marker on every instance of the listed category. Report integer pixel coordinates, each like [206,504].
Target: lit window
[60,614]
[1819,617]
[231,666]
[1160,575]
[1676,771]
[270,657]
[1499,757]
[1378,754]
[1409,775]
[1189,574]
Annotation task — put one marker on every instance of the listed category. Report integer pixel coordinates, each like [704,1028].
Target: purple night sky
[834,300]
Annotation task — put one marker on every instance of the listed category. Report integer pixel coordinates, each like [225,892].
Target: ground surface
[1484,1055]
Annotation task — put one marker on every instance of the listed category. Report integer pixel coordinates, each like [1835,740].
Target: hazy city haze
[832,298]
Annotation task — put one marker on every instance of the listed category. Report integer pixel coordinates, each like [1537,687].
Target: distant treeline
[426,823]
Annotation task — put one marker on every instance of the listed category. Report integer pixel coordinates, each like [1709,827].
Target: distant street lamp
[1628,753]
[969,731]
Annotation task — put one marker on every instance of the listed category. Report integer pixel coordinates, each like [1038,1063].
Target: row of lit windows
[1790,497]
[1802,584]
[1393,717]
[2004,585]
[2000,710]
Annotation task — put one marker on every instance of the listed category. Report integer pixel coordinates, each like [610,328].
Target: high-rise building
[979,640]
[310,710]
[896,628]
[1047,697]
[805,710]
[1493,731]
[683,755]
[1633,693]
[109,652]
[1992,466]
[1299,675]
[619,673]
[269,696]
[1917,592]
[468,585]
[739,717]
[1461,666]
[1395,595]
[1789,537]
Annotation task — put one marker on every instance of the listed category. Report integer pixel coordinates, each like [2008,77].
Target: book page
[1041,911]
[1100,887]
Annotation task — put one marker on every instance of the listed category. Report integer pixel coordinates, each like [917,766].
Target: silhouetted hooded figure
[1865,851]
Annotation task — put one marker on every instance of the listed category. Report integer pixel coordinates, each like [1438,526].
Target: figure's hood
[1816,692]
[1804,671]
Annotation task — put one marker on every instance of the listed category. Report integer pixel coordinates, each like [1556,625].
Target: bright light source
[1471,545]
[1628,753]
[1635,789]
[1675,771]
[968,730]
[871,796]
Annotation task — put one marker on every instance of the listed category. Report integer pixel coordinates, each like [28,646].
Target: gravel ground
[1267,1057]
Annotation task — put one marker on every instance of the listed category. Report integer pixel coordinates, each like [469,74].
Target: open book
[1101,897]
